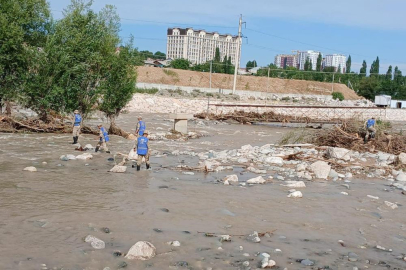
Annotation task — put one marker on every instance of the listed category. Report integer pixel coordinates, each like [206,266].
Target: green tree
[348,65]
[363,69]
[225,65]
[119,86]
[397,75]
[180,63]
[23,28]
[389,74]
[75,60]
[159,55]
[217,58]
[374,71]
[319,61]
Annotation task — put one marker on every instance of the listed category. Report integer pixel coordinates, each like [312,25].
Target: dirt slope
[223,81]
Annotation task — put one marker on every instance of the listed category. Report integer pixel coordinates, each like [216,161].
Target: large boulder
[402,158]
[401,177]
[84,156]
[320,169]
[338,153]
[142,250]
[295,184]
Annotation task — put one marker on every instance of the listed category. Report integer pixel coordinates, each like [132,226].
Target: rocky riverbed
[231,199]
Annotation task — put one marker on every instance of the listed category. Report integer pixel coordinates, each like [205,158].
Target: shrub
[338,95]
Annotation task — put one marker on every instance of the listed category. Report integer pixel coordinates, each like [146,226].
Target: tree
[159,55]
[397,75]
[217,56]
[75,60]
[251,64]
[319,61]
[363,69]
[225,65]
[119,86]
[388,75]
[374,71]
[23,27]
[348,65]
[180,63]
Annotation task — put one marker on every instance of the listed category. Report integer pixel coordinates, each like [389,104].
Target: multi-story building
[199,46]
[338,61]
[302,56]
[285,60]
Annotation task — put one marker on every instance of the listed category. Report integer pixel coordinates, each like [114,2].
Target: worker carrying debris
[76,126]
[140,127]
[103,139]
[370,127]
[142,150]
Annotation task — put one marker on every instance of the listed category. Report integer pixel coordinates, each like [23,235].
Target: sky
[363,29]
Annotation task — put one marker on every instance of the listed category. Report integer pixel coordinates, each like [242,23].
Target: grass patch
[171,73]
[151,91]
[295,136]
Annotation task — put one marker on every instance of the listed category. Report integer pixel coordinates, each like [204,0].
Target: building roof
[183,32]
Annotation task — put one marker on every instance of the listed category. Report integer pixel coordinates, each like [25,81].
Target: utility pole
[267,88]
[237,54]
[332,84]
[211,67]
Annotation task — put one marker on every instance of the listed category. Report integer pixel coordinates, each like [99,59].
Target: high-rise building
[338,61]
[285,60]
[311,55]
[199,46]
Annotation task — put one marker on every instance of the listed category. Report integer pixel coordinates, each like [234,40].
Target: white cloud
[375,14]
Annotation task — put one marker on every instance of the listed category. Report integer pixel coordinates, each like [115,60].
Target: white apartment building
[302,56]
[337,61]
[199,46]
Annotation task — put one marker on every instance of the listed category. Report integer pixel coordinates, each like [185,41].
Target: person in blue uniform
[140,127]
[143,150]
[76,126]
[370,127]
[103,139]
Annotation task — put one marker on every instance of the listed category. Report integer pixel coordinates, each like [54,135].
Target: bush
[338,95]
[146,91]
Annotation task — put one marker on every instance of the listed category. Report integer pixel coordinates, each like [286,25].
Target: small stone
[95,242]
[391,205]
[142,250]
[321,169]
[165,210]
[296,194]
[256,180]
[119,169]
[247,255]
[189,173]
[122,265]
[352,257]
[174,243]
[254,237]
[224,238]
[246,263]
[295,184]
[106,230]
[307,262]
[30,169]
[157,230]
[182,264]
[64,158]
[117,253]
[373,197]
[44,162]
[344,193]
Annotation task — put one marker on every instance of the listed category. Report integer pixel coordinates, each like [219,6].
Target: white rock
[225,238]
[401,177]
[301,167]
[142,250]
[344,193]
[95,242]
[391,205]
[338,153]
[71,157]
[333,174]
[340,175]
[254,237]
[256,180]
[242,160]
[270,177]
[30,169]
[348,175]
[295,184]
[189,173]
[119,169]
[231,178]
[84,156]
[174,243]
[321,169]
[295,194]
[226,183]
[373,197]
[246,147]
[89,146]
[402,158]
[264,255]
[274,160]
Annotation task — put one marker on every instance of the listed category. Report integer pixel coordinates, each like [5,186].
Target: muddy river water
[45,215]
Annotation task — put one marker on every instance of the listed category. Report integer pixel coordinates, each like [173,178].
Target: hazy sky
[363,28]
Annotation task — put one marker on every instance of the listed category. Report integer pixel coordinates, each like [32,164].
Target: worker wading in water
[142,150]
[76,126]
[103,139]
[140,127]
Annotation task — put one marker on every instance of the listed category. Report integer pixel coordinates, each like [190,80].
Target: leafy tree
[180,63]
[329,69]
[23,27]
[374,71]
[397,75]
[75,60]
[338,95]
[348,65]
[119,86]
[159,55]
[307,64]
[388,75]
[217,56]
[251,64]
[319,61]
[363,69]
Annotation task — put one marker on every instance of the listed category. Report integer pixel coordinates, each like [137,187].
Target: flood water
[45,215]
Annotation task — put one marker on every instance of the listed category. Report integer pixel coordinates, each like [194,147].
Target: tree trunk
[8,108]
[115,130]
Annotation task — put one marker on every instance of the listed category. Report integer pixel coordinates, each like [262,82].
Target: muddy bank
[47,214]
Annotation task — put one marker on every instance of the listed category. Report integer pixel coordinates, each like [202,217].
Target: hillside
[253,83]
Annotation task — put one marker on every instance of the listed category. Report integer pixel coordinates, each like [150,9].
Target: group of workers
[141,146]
